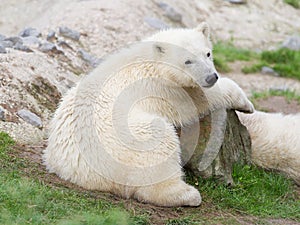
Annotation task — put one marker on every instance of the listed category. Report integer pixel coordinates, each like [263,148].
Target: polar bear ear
[204,29]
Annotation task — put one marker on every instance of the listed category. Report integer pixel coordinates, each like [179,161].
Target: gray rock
[170,12]
[2,114]
[7,44]
[2,49]
[47,47]
[156,23]
[2,37]
[237,1]
[14,40]
[21,47]
[292,42]
[31,41]
[69,33]
[50,47]
[92,60]
[279,88]
[51,35]
[64,44]
[30,118]
[30,32]
[268,70]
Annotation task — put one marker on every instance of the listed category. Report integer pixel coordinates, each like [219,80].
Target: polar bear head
[188,52]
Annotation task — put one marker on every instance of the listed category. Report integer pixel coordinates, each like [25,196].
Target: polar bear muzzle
[211,79]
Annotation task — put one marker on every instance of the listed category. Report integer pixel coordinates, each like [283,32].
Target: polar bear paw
[192,197]
[244,106]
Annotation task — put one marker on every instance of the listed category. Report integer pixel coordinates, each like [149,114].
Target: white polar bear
[275,141]
[115,131]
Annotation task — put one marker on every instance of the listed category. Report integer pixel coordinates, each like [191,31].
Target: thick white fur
[275,141]
[97,143]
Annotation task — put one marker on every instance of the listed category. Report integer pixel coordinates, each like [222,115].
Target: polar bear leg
[227,93]
[161,182]
[172,192]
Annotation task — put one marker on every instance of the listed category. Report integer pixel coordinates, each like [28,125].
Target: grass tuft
[288,94]
[284,61]
[255,192]
[28,201]
[294,3]
[227,52]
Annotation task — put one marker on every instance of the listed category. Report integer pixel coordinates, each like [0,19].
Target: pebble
[7,44]
[268,70]
[292,42]
[51,35]
[279,88]
[2,37]
[2,114]
[31,41]
[47,47]
[21,47]
[14,40]
[69,33]
[92,60]
[237,1]
[170,12]
[2,49]
[30,32]
[156,23]
[30,117]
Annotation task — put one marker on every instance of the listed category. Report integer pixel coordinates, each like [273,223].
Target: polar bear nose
[212,79]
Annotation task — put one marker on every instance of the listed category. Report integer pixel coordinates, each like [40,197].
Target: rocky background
[46,46]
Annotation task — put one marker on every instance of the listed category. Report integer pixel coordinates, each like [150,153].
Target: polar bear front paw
[245,106]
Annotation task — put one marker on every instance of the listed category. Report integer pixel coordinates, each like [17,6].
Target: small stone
[2,114]
[268,70]
[50,47]
[51,35]
[31,41]
[7,44]
[30,32]
[14,40]
[2,49]
[170,12]
[2,37]
[69,33]
[292,42]
[64,44]
[280,88]
[47,47]
[156,23]
[30,118]
[237,1]
[21,47]
[92,60]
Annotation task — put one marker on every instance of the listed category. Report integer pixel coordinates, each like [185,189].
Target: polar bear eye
[188,62]
[208,54]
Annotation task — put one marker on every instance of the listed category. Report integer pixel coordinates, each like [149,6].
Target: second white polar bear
[115,130]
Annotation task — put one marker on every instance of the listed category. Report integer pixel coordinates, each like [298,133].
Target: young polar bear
[115,130]
[275,141]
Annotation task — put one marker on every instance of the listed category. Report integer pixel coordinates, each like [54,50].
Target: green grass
[227,52]
[256,192]
[289,95]
[284,61]
[28,201]
[294,3]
